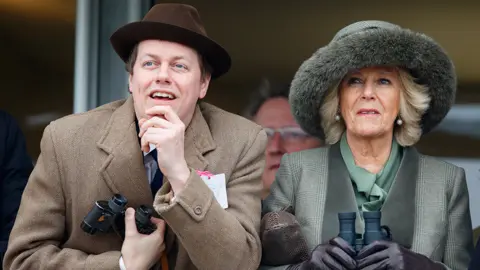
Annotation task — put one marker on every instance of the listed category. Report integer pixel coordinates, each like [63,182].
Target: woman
[370,94]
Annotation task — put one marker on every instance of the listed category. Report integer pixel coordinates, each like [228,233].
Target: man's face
[284,135]
[168,74]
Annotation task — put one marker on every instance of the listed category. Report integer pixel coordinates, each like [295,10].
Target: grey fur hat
[373,43]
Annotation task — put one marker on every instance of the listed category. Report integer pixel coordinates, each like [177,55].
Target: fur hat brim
[415,52]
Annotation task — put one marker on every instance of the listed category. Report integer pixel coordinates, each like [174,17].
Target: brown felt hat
[177,23]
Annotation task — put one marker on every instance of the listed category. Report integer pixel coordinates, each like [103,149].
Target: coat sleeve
[281,197]
[459,241]
[16,167]
[229,237]
[38,233]
[282,190]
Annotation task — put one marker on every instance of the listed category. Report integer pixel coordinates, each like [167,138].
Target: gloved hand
[336,255]
[390,255]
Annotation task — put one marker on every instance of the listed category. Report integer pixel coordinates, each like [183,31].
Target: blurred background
[57,60]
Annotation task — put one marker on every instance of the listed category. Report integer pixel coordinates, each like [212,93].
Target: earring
[337,117]
[399,122]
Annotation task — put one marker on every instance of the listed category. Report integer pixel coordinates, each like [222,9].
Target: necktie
[156,184]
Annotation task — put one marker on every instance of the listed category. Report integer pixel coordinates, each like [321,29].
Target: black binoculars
[373,230]
[106,216]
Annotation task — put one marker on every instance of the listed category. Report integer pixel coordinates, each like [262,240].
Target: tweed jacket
[93,155]
[427,208]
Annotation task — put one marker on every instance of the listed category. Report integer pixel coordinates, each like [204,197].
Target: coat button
[198,210]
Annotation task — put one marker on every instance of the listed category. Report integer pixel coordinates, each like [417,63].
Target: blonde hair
[414,102]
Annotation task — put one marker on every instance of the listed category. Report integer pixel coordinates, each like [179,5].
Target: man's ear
[130,83]
[204,86]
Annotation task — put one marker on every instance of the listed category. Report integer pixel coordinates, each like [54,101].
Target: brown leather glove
[282,240]
[336,255]
[390,255]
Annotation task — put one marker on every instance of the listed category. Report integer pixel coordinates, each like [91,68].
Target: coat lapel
[340,196]
[398,211]
[198,141]
[123,169]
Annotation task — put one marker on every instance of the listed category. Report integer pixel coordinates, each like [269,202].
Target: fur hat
[373,43]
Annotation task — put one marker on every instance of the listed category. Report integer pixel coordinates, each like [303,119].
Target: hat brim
[416,52]
[125,38]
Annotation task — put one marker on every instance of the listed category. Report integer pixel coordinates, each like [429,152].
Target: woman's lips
[367,112]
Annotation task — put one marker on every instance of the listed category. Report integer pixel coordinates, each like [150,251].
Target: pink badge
[205,173]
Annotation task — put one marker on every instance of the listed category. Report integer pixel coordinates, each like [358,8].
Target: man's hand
[166,131]
[390,255]
[140,251]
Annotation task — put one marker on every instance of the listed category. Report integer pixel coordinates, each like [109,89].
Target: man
[15,168]
[269,108]
[91,156]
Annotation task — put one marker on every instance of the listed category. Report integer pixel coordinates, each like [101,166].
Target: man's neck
[370,153]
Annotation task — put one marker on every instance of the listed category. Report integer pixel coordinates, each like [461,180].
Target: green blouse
[371,189]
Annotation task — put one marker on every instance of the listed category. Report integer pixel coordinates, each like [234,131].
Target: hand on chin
[166,131]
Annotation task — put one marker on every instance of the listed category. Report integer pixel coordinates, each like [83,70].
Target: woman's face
[370,100]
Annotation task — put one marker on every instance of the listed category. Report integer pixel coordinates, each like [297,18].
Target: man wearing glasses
[270,109]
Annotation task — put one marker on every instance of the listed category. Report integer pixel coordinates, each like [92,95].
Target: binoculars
[373,230]
[106,216]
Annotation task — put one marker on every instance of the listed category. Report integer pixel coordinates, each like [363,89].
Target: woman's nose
[368,91]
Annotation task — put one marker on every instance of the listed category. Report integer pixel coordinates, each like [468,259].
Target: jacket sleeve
[281,197]
[38,233]
[459,241]
[282,190]
[16,167]
[229,237]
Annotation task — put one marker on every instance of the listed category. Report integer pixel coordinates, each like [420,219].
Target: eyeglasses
[287,133]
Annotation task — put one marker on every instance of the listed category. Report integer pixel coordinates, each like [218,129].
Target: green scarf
[371,189]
